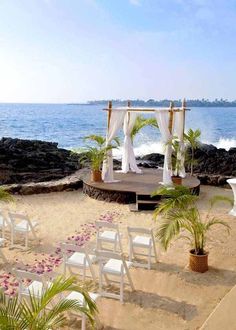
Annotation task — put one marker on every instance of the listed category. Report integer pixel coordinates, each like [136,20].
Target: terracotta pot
[177,180]
[198,263]
[96,176]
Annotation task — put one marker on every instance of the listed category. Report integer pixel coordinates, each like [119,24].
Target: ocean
[68,124]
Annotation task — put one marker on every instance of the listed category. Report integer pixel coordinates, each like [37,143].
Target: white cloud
[135,2]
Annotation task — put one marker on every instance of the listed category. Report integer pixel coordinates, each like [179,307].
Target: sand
[169,296]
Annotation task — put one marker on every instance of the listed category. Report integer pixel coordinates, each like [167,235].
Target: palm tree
[180,215]
[46,313]
[140,123]
[192,138]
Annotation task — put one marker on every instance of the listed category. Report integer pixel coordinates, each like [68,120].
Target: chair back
[69,247]
[101,255]
[105,224]
[15,217]
[5,221]
[140,230]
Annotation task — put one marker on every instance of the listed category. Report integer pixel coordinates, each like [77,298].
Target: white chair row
[139,238]
[31,283]
[17,223]
[110,263]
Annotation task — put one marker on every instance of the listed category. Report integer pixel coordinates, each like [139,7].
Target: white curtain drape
[162,118]
[116,121]
[128,157]
[179,132]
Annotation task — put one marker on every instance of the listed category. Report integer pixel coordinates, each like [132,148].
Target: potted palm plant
[180,217]
[96,153]
[176,161]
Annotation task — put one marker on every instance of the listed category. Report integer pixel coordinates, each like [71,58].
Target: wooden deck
[131,184]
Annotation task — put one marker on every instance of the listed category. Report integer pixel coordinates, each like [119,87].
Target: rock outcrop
[32,161]
[213,166]
[23,161]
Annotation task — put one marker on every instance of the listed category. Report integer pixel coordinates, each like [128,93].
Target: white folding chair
[31,283]
[80,258]
[2,240]
[4,223]
[113,264]
[108,233]
[144,240]
[80,298]
[20,223]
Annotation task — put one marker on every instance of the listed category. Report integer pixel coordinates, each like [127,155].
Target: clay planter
[96,176]
[198,263]
[177,180]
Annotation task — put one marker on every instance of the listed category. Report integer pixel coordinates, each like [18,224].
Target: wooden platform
[129,187]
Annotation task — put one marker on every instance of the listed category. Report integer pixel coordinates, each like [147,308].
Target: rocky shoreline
[32,161]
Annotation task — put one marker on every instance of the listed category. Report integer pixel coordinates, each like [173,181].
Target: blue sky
[78,50]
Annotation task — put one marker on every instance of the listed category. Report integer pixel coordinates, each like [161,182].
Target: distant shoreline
[165,103]
[150,103]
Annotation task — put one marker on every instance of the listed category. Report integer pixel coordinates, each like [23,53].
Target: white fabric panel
[116,121]
[128,157]
[162,118]
[178,131]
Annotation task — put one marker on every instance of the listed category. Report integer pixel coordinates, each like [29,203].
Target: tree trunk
[191,172]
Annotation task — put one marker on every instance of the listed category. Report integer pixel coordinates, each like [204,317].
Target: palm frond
[47,312]
[174,197]
[215,221]
[219,198]
[5,196]
[141,122]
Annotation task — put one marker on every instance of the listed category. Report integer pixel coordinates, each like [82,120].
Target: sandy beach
[167,297]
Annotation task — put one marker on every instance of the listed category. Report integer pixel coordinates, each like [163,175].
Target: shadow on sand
[150,300]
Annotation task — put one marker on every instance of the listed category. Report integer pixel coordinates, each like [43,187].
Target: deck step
[145,202]
[140,201]
[133,207]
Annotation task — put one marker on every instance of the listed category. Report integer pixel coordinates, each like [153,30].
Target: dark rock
[232,151]
[71,182]
[23,161]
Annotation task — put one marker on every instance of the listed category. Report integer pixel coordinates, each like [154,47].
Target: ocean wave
[143,149]
[226,143]
[158,147]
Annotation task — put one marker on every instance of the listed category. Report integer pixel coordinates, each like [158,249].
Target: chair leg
[84,273]
[155,252]
[83,323]
[106,279]
[130,281]
[26,240]
[121,249]
[122,288]
[100,279]
[92,272]
[149,257]
[130,251]
[115,245]
[12,237]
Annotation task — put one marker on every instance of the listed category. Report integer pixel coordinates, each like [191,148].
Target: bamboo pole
[109,115]
[171,116]
[184,106]
[128,105]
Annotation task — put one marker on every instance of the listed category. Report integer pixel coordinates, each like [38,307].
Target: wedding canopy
[171,122]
